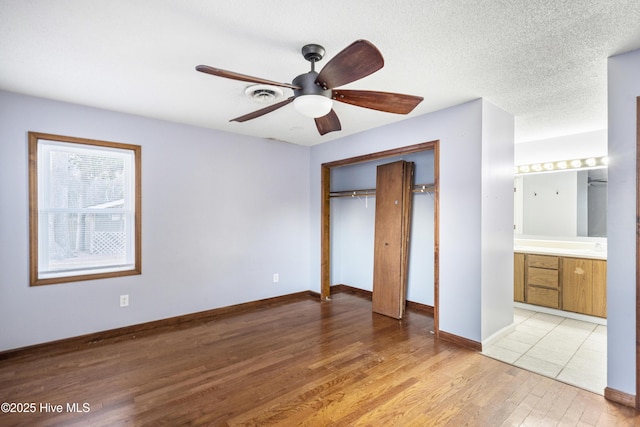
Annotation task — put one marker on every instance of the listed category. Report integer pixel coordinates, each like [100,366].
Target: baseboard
[456,339]
[411,305]
[129,332]
[620,397]
[498,335]
[423,308]
[351,290]
[561,313]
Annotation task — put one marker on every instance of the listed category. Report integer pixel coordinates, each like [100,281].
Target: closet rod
[353,193]
[418,188]
[424,188]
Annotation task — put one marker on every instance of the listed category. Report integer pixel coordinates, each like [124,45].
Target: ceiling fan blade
[241,77]
[382,101]
[263,111]
[328,123]
[354,62]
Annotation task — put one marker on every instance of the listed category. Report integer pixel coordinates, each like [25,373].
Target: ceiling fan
[313,92]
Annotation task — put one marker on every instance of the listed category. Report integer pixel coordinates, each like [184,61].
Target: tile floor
[571,351]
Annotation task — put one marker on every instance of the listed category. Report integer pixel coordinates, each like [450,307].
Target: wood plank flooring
[297,363]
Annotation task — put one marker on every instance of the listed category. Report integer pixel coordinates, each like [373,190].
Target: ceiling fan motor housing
[308,84]
[313,52]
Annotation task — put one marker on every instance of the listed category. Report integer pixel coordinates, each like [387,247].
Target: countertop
[561,248]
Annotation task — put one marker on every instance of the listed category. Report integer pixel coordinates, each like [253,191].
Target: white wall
[459,130]
[566,147]
[220,214]
[420,279]
[550,204]
[352,237]
[624,87]
[497,219]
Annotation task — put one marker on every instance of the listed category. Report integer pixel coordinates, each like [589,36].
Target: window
[84,209]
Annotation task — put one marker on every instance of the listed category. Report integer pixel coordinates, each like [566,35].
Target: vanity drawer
[542,277]
[543,296]
[542,261]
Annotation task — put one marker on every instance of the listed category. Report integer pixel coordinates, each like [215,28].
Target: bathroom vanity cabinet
[543,280]
[561,282]
[584,288]
[518,277]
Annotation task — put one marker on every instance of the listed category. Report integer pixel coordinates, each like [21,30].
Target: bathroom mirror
[561,203]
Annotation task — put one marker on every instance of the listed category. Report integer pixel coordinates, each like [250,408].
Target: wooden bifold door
[394,182]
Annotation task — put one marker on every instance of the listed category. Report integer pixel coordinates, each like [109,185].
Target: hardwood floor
[298,363]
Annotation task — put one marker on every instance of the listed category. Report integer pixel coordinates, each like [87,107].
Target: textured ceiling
[544,61]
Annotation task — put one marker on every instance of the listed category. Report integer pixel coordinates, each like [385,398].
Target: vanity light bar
[588,163]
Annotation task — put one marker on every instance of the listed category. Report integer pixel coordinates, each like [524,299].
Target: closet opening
[346,187]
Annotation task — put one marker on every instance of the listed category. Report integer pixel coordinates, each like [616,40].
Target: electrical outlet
[276,277]
[124,300]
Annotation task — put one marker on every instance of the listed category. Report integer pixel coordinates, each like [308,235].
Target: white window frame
[41,272]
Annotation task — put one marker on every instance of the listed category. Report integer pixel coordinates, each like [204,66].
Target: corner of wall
[623,89]
[497,220]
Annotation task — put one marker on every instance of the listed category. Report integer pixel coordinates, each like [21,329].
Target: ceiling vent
[263,94]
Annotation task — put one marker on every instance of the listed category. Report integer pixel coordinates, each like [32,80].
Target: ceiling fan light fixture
[313,106]
[313,92]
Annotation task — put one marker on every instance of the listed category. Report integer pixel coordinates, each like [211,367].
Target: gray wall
[220,214]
